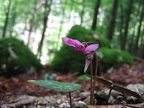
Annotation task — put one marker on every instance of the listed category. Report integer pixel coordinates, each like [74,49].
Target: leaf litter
[16,91]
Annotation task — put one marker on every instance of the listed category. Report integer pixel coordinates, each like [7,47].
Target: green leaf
[55,85]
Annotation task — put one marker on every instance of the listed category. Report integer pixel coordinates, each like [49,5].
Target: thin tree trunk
[45,20]
[60,28]
[123,45]
[32,22]
[71,8]
[25,26]
[6,19]
[140,51]
[131,46]
[141,47]
[139,27]
[121,23]
[13,23]
[94,23]
[82,12]
[30,30]
[112,20]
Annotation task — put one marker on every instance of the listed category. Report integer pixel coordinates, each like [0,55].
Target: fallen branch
[138,59]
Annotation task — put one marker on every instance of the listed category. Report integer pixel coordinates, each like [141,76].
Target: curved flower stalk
[88,60]
[82,48]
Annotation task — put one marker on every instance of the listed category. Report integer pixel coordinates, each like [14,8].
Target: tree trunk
[32,22]
[123,44]
[141,47]
[140,51]
[30,30]
[72,9]
[45,20]
[13,23]
[82,13]
[121,23]
[112,20]
[6,19]
[139,27]
[94,23]
[61,24]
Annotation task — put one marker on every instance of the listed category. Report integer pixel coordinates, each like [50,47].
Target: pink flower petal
[78,43]
[78,46]
[90,48]
[68,41]
[89,58]
[71,42]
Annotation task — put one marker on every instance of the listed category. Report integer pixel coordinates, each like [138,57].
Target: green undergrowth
[16,58]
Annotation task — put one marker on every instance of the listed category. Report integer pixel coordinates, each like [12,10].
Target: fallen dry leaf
[121,89]
[118,106]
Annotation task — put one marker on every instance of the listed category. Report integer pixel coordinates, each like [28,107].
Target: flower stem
[70,100]
[95,75]
[91,92]
[96,69]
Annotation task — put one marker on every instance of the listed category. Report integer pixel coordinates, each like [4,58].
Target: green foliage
[16,57]
[82,78]
[113,58]
[66,59]
[55,85]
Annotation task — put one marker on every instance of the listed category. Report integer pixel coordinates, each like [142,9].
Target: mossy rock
[112,58]
[67,60]
[16,58]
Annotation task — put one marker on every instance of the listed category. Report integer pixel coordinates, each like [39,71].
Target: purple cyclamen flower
[78,46]
[81,48]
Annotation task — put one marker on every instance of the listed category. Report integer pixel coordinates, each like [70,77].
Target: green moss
[113,58]
[82,78]
[20,60]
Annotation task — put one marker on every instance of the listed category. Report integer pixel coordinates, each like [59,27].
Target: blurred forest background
[42,23]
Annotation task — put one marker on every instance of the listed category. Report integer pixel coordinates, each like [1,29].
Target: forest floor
[16,92]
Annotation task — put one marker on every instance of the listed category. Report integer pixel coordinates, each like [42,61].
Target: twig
[109,93]
[138,59]
[70,100]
